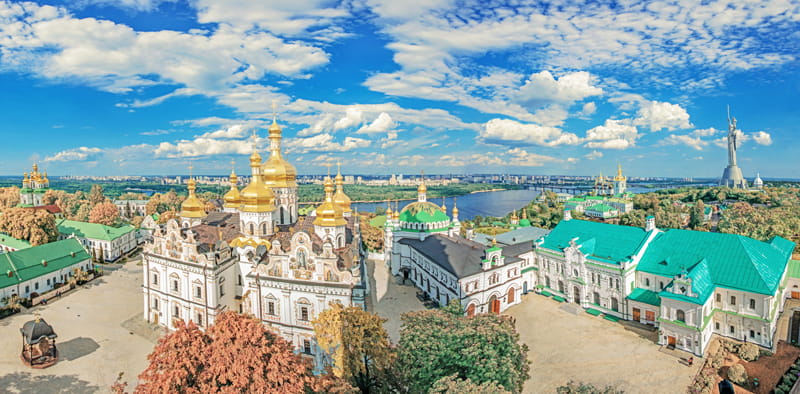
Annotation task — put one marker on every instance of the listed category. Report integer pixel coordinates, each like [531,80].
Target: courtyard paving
[568,344]
[100,335]
[389,298]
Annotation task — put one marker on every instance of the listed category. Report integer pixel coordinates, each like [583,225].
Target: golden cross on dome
[274,110]
[338,166]
[329,165]
[190,170]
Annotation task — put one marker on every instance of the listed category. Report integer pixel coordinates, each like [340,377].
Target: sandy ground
[569,344]
[100,335]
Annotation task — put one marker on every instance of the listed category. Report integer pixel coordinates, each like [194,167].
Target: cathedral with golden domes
[258,256]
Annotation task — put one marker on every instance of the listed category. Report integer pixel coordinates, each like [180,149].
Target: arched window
[647,282]
[174,283]
[340,241]
[680,316]
[575,272]
[301,258]
[471,310]
[614,304]
[251,229]
[263,228]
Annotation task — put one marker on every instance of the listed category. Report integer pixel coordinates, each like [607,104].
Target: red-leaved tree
[237,354]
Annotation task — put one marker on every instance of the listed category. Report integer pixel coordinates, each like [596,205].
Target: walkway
[389,299]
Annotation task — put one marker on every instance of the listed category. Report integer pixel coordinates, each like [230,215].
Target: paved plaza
[389,299]
[568,344]
[100,335]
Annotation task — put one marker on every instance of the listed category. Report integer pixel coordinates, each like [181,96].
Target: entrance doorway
[636,314]
[511,293]
[494,305]
[576,293]
[671,341]
[471,310]
[796,295]
[525,287]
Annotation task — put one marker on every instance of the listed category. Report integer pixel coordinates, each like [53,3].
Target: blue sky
[101,87]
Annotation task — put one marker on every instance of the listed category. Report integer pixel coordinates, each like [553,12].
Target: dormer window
[683,290]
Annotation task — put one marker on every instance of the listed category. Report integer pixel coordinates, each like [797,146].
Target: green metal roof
[794,269]
[28,263]
[12,242]
[93,230]
[645,296]
[524,222]
[605,241]
[600,208]
[423,212]
[717,259]
[378,221]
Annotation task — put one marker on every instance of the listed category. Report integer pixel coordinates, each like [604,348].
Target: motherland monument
[732,176]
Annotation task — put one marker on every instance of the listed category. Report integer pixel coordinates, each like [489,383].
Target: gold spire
[329,213]
[396,215]
[514,215]
[192,207]
[388,210]
[257,197]
[444,207]
[524,213]
[276,171]
[422,188]
[619,176]
[232,198]
[455,207]
[341,199]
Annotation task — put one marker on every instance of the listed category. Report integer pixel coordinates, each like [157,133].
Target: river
[496,203]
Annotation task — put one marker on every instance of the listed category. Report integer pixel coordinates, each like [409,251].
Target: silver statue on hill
[732,176]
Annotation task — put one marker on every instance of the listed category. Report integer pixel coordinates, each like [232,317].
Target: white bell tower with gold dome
[34,185]
[620,181]
[281,177]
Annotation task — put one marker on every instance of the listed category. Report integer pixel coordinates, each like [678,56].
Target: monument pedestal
[732,177]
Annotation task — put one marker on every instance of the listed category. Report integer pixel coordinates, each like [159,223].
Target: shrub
[749,352]
[737,374]
[779,391]
[784,387]
[717,360]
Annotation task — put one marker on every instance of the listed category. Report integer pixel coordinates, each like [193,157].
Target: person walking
[690,361]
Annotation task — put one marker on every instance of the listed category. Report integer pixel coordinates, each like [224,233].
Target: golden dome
[257,197]
[619,176]
[422,188]
[396,215]
[329,213]
[389,212]
[192,207]
[455,210]
[276,171]
[341,199]
[232,198]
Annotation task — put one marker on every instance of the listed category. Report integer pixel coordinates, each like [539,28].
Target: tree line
[439,351]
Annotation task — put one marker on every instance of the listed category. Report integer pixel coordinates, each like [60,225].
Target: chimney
[650,223]
[567,214]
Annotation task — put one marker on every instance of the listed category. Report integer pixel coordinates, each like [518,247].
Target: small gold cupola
[192,207]
[233,198]
[329,214]
[257,197]
[341,199]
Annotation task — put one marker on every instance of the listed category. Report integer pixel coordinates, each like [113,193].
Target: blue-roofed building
[690,284]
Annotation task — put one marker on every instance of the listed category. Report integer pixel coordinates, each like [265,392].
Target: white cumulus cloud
[77,154]
[509,132]
[661,115]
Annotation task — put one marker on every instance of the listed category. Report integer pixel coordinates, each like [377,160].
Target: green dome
[425,213]
[524,223]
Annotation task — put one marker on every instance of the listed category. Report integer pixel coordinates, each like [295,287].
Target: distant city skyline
[148,87]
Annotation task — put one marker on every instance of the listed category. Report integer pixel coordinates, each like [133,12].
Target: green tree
[96,195]
[358,345]
[453,385]
[442,342]
[586,388]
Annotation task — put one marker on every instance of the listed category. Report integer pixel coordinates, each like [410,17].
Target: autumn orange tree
[236,354]
[440,343]
[9,197]
[36,226]
[358,344]
[104,213]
